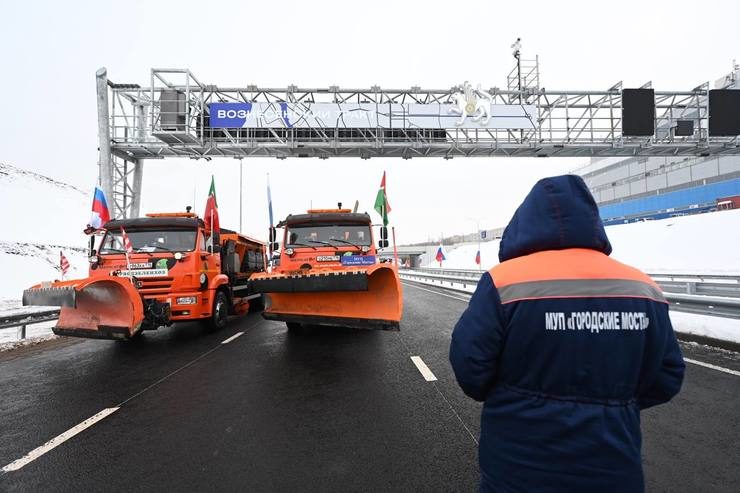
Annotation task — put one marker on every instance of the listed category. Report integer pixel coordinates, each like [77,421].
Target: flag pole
[480,257]
[395,249]
[241,191]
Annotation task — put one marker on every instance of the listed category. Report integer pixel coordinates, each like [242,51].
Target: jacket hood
[558,213]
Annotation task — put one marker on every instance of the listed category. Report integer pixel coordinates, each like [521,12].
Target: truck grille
[155,285]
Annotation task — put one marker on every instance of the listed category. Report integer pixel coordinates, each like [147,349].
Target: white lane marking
[58,440]
[423,369]
[232,338]
[187,365]
[713,367]
[436,292]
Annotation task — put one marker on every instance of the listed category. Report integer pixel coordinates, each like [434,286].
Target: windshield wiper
[296,243]
[347,242]
[154,246]
[323,243]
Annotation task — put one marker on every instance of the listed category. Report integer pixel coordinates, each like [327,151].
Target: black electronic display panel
[724,112]
[638,112]
[684,128]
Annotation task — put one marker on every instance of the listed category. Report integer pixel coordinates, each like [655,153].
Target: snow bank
[698,244]
[26,264]
[724,329]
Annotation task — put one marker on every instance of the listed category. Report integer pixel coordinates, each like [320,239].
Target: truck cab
[326,239]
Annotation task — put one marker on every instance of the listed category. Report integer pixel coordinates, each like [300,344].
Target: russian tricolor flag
[477,258]
[440,255]
[100,214]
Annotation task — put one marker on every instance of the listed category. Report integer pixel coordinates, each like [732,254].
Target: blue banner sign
[228,115]
[367,115]
[358,260]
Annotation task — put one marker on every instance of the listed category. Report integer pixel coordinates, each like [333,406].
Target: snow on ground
[724,329]
[698,244]
[39,209]
[42,217]
[26,264]
[10,338]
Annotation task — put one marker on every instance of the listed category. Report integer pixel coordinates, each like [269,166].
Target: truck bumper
[312,283]
[353,323]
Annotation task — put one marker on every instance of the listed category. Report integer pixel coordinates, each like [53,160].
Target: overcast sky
[50,51]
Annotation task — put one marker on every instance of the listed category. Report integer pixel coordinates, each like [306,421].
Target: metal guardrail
[703,284]
[708,294]
[23,319]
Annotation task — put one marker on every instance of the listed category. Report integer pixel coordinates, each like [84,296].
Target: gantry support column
[105,161]
[138,164]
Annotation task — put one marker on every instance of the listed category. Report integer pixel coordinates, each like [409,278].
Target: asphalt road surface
[328,410]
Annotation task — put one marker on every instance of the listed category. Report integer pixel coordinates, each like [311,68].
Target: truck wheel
[220,313]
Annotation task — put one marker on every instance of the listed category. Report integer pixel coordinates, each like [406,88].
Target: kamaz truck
[177,271]
[329,273]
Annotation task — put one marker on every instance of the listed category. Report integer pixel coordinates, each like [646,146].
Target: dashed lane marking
[423,369]
[232,338]
[55,442]
[437,292]
[713,367]
[58,440]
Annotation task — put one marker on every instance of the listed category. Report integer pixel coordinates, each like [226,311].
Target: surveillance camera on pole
[517,46]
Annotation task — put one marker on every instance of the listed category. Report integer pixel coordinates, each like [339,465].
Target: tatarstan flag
[210,216]
[381,202]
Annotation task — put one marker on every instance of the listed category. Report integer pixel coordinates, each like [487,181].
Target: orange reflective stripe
[572,263]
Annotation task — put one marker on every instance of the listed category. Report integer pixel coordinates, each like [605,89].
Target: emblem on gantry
[473,103]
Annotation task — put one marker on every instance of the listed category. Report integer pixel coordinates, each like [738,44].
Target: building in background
[642,188]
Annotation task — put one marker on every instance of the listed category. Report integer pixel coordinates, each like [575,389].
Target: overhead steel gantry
[178,116]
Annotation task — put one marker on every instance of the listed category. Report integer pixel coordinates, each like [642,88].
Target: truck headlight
[289,251]
[365,249]
[187,300]
[203,278]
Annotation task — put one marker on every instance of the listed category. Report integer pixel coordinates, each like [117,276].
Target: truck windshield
[335,235]
[149,240]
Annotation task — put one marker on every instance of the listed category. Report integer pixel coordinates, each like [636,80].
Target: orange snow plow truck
[178,271]
[329,274]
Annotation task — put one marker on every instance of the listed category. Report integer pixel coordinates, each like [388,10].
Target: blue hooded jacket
[565,346]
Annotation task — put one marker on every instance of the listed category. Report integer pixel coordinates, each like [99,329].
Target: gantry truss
[170,118]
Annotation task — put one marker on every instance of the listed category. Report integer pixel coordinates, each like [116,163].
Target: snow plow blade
[109,308]
[364,299]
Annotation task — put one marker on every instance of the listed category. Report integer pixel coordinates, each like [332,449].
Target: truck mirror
[384,233]
[383,244]
[274,246]
[273,234]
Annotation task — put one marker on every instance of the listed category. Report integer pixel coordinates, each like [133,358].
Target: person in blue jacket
[565,346]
